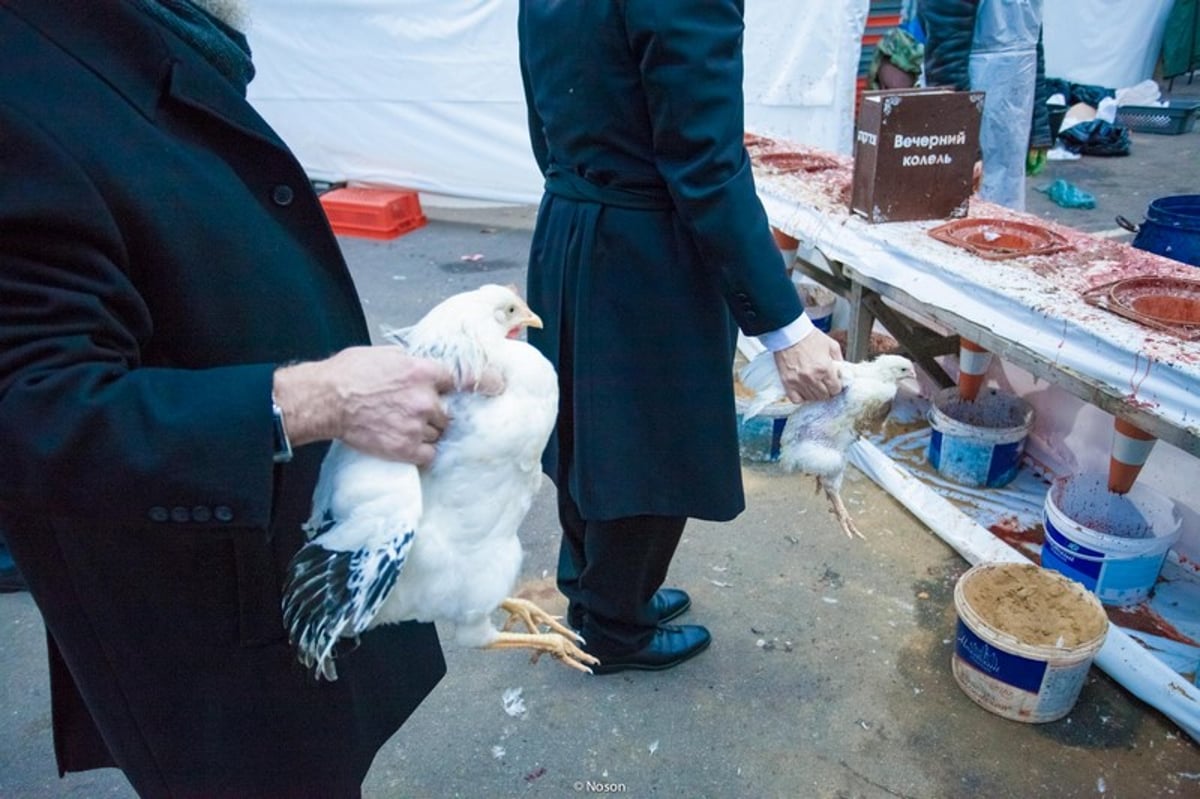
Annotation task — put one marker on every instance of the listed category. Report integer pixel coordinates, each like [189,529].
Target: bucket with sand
[1026,638]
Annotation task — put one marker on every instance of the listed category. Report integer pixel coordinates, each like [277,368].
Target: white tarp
[1111,43]
[426,94]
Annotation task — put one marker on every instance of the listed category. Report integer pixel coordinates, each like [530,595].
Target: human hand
[809,368]
[378,400]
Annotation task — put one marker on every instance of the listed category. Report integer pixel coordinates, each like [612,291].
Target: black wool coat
[650,245]
[161,252]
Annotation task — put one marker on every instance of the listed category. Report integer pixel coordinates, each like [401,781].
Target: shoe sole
[600,668]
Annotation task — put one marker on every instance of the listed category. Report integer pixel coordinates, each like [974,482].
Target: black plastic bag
[1096,137]
[1078,92]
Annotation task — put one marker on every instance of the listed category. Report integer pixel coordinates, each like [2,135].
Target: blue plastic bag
[1068,195]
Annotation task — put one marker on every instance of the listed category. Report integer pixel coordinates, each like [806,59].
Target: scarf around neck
[222,46]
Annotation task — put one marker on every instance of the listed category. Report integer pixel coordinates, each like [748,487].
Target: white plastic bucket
[978,442]
[1025,656]
[1114,544]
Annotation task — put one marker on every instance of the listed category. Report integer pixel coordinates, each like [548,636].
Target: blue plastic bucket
[1172,228]
[759,437]
[1114,544]
[1025,640]
[978,442]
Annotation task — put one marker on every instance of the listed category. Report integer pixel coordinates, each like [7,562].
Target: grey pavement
[829,674]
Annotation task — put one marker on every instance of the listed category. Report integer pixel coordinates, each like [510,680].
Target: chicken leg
[559,642]
[831,489]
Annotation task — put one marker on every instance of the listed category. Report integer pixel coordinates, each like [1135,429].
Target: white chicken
[817,435]
[391,542]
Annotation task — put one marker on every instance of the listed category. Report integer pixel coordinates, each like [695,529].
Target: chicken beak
[527,318]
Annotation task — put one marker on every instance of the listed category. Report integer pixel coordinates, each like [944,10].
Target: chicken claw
[560,642]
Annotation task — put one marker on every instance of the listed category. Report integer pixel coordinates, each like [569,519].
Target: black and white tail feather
[336,586]
[335,595]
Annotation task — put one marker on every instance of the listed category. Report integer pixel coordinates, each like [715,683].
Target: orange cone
[973,362]
[787,247]
[1130,448]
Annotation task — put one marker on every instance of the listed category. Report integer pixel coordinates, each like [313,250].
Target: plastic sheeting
[426,94]
[1111,43]
[1003,64]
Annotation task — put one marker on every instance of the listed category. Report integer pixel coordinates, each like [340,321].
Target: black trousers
[609,571]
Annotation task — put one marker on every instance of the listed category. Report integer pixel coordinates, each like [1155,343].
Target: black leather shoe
[670,646]
[668,603]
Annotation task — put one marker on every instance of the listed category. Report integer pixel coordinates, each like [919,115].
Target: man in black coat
[650,246]
[176,316]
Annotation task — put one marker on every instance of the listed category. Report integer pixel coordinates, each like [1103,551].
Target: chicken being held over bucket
[817,435]
[392,542]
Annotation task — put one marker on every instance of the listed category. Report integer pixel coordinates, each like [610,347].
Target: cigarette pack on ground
[914,152]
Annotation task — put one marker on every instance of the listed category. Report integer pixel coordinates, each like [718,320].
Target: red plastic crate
[373,213]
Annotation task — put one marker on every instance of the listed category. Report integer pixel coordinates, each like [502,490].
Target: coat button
[282,195]
[180,515]
[159,514]
[201,514]
[223,513]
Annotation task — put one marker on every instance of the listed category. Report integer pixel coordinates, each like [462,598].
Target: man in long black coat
[650,245]
[162,255]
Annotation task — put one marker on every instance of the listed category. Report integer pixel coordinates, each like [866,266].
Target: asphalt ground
[829,674]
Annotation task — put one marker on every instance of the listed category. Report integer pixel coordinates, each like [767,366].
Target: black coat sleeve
[89,430]
[949,27]
[691,60]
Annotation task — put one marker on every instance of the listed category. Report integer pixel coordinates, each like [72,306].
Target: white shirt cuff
[786,336]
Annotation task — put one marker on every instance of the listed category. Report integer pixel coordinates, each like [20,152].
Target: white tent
[1110,43]
[426,94]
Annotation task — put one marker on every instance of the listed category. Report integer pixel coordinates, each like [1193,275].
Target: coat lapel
[141,60]
[194,83]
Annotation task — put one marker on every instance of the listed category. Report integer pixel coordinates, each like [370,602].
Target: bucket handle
[1125,223]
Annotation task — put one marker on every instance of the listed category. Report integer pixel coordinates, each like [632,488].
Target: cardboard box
[914,154]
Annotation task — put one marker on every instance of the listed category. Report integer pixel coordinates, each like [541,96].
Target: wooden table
[1030,311]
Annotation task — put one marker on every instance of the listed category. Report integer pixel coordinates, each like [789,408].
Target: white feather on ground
[391,542]
[817,435]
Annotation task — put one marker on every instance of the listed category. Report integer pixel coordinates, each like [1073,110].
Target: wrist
[306,402]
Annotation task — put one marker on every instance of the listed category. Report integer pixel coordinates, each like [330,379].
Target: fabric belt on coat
[564,183]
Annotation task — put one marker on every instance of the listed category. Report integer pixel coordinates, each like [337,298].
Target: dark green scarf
[222,46]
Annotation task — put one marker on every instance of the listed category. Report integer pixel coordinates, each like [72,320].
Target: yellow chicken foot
[533,617]
[553,643]
[842,514]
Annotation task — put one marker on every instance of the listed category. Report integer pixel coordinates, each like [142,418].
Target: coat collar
[140,59]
